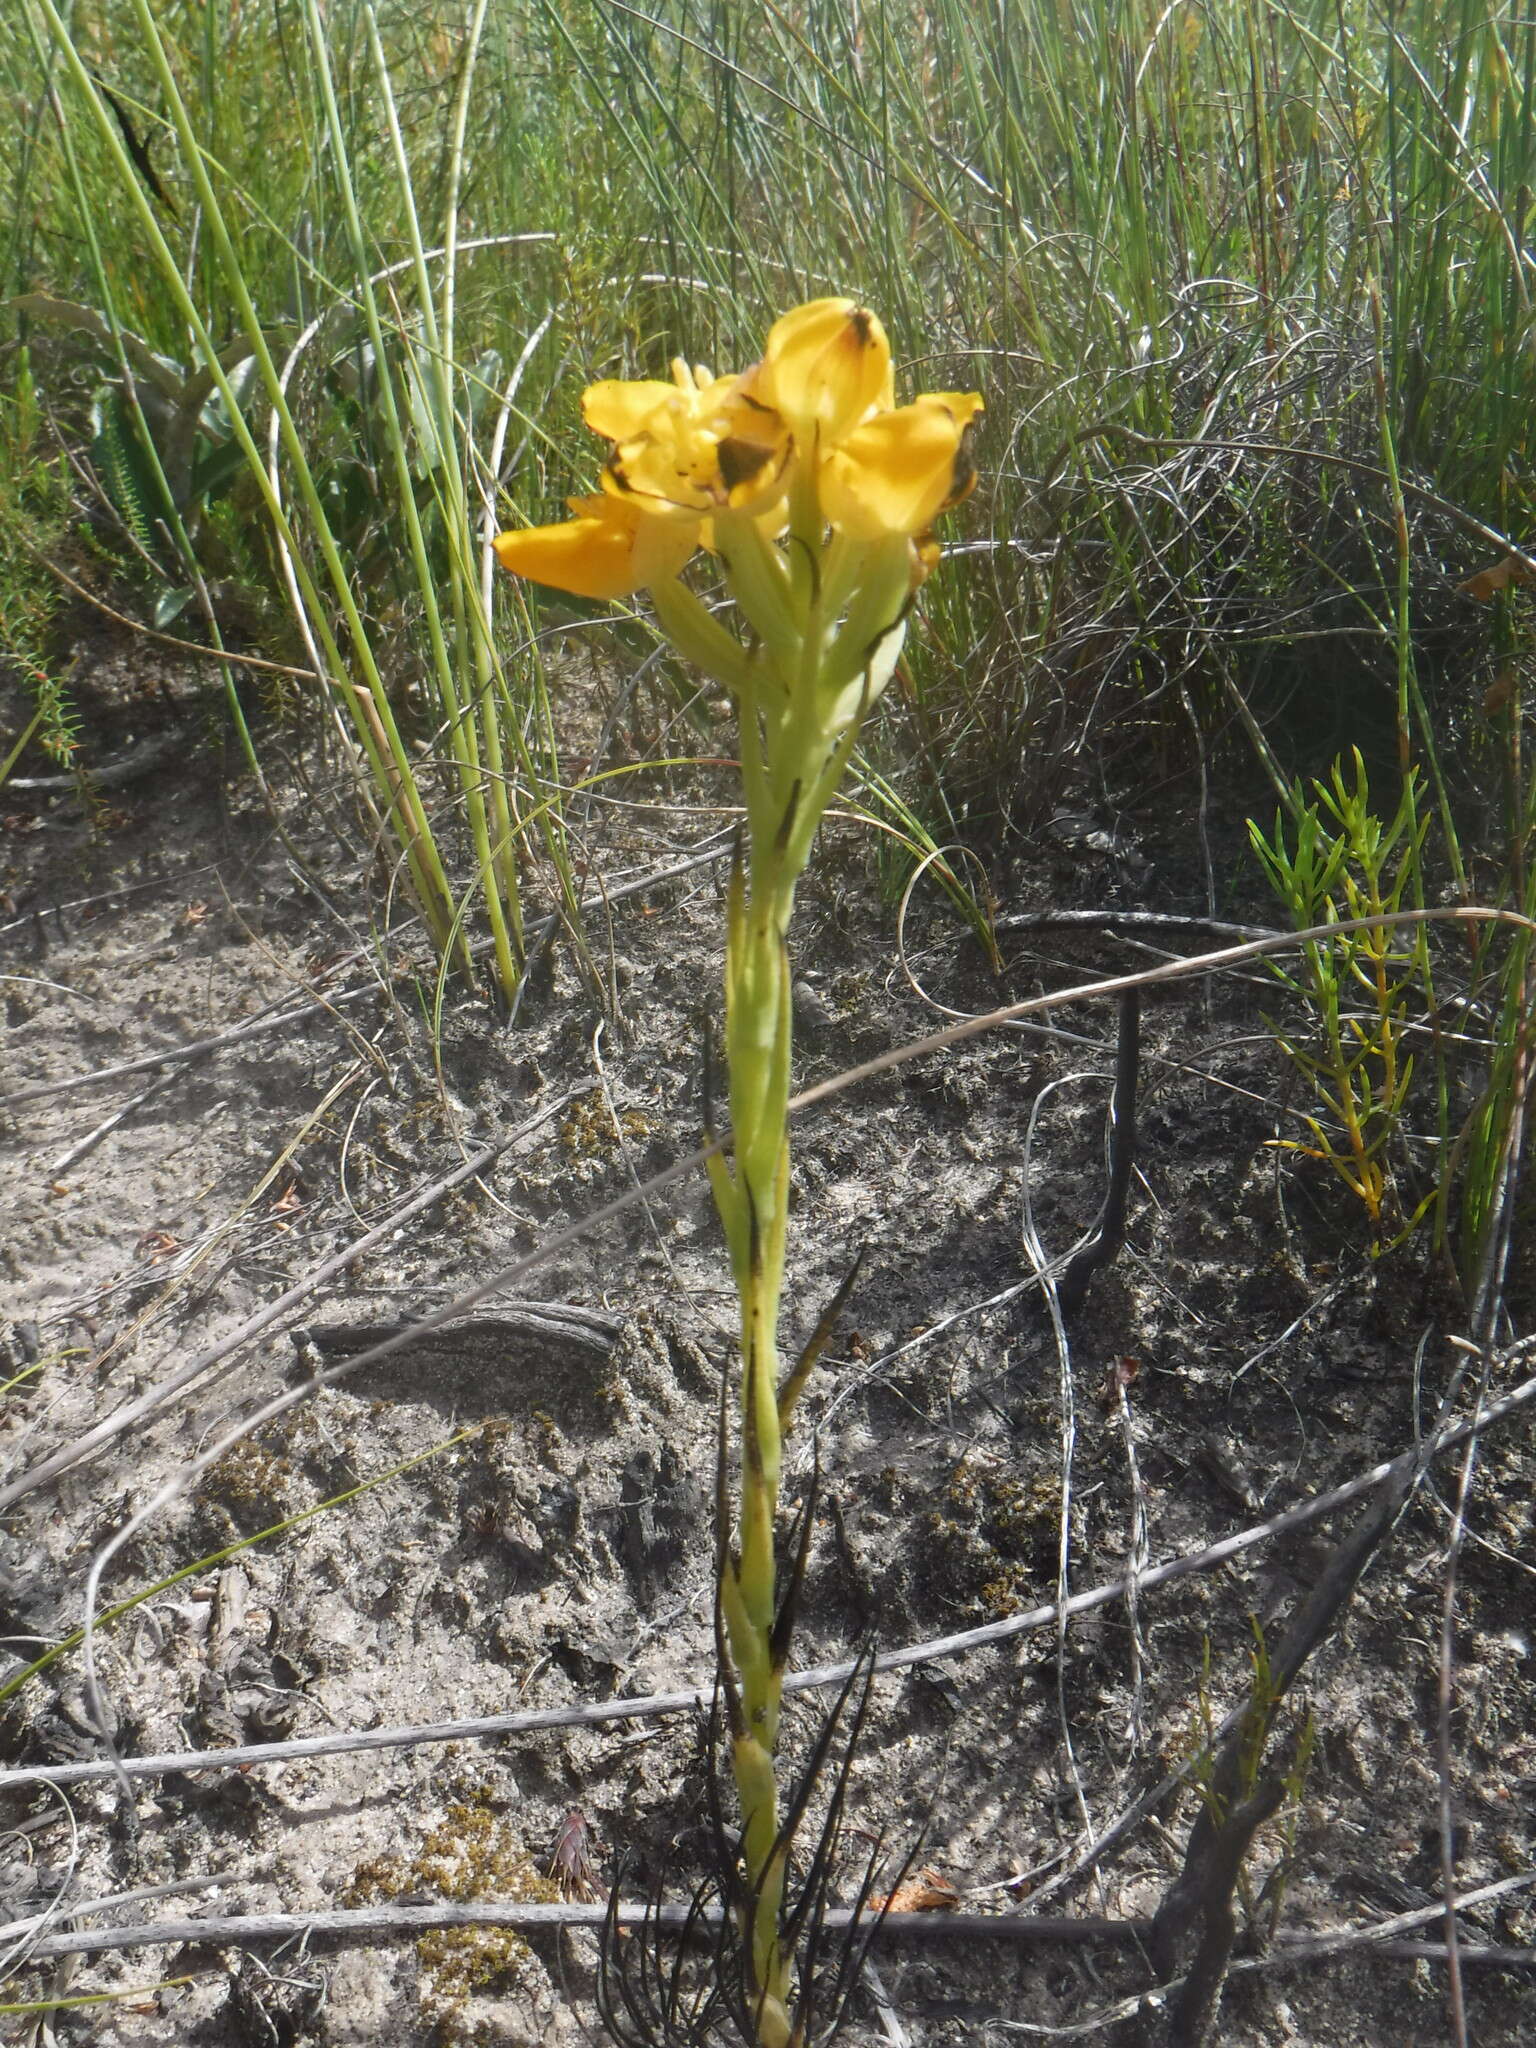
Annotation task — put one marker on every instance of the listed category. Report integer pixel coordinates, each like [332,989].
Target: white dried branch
[697,1698]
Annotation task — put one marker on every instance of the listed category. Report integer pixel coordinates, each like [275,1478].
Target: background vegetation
[299,303]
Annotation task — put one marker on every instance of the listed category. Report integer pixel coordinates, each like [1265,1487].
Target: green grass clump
[1357,992]
[34,510]
[1222,272]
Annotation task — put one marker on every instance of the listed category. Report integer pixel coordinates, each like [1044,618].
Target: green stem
[758,1035]
[754,1203]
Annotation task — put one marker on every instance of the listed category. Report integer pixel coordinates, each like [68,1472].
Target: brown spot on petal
[742,462]
[962,479]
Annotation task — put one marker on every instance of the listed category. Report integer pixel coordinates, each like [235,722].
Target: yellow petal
[695,377]
[617,409]
[620,408]
[924,560]
[826,366]
[898,471]
[663,475]
[610,549]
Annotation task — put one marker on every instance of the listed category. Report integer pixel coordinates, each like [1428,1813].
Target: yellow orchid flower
[815,492]
[691,447]
[682,456]
[816,416]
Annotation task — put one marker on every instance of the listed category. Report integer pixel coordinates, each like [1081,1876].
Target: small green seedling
[1262,1904]
[1362,988]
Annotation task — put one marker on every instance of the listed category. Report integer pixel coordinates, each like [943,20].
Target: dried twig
[1299,1947]
[363,1923]
[1108,1233]
[197,647]
[93,1138]
[236,1930]
[261,1026]
[1110,921]
[696,1699]
[175,879]
[1195,1926]
[1487,1308]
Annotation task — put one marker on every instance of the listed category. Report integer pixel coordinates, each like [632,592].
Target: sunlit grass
[1179,222]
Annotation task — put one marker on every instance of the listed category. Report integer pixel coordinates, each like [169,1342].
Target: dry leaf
[571,1865]
[1489,582]
[1120,1374]
[1499,693]
[928,1892]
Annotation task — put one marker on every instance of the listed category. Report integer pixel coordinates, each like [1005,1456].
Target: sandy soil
[515,1513]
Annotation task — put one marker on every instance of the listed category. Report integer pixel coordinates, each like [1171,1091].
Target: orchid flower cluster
[816,494]
[815,490]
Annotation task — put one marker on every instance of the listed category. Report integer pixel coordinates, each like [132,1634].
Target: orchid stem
[815,494]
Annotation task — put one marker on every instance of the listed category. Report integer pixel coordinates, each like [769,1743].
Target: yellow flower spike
[897,472]
[612,548]
[815,493]
[826,367]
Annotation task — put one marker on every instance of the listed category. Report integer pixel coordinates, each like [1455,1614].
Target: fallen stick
[252,1930]
[696,1699]
[194,1049]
